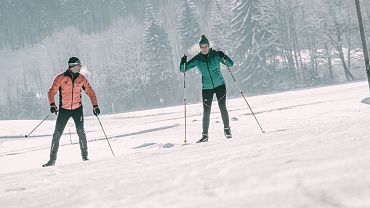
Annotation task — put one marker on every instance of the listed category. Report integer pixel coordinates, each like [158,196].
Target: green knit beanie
[203,40]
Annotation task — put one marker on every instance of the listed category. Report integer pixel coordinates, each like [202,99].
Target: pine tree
[123,64]
[250,47]
[160,74]
[188,25]
[219,21]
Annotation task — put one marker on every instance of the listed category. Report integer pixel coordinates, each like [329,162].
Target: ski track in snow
[315,153]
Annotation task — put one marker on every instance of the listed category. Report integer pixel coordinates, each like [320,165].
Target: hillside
[315,153]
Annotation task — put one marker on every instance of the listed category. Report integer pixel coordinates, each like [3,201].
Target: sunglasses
[74,64]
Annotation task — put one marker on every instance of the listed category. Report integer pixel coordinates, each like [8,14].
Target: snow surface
[315,153]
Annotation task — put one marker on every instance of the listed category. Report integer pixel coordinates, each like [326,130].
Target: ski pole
[185,99]
[105,135]
[27,135]
[245,99]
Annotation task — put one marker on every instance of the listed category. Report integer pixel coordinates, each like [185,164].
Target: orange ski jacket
[69,86]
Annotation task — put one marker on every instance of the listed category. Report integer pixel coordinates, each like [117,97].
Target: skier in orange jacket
[70,84]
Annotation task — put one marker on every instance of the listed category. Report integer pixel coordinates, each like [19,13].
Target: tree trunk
[329,58]
[348,38]
[347,72]
[295,46]
[290,63]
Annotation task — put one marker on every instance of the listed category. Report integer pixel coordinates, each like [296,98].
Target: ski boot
[49,163]
[227,133]
[203,139]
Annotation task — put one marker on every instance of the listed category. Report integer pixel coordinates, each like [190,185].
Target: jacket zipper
[73,86]
[209,71]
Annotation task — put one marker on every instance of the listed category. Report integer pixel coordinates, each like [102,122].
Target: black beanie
[74,60]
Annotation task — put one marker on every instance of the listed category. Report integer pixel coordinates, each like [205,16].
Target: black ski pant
[207,104]
[62,119]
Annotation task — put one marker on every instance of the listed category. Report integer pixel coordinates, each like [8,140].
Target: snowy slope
[315,153]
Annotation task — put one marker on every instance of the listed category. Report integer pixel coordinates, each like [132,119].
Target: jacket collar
[208,55]
[70,74]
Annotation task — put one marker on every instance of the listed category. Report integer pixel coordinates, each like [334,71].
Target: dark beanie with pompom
[203,40]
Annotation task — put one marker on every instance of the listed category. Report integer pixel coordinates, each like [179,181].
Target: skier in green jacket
[208,62]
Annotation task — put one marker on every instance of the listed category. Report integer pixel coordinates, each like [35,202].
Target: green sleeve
[227,61]
[190,64]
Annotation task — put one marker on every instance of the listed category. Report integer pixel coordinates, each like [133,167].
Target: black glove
[96,110]
[53,108]
[184,59]
[221,54]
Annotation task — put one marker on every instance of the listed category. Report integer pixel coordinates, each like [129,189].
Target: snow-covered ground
[315,153]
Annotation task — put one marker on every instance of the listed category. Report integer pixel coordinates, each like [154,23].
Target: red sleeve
[90,92]
[54,89]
